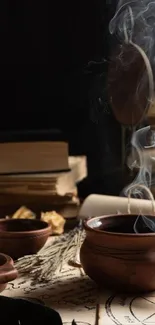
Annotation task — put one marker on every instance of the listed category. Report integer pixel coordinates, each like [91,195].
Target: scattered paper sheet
[70,292]
[124,310]
[75,296]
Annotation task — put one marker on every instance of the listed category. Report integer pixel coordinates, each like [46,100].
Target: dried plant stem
[51,258]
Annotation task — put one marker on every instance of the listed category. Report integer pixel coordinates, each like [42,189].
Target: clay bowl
[115,257]
[19,237]
[7,271]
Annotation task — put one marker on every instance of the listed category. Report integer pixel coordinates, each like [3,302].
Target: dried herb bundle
[52,257]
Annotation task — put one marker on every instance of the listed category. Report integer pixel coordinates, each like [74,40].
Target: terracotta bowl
[7,271]
[116,257]
[19,237]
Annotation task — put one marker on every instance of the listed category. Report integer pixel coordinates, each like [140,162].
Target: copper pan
[130,84]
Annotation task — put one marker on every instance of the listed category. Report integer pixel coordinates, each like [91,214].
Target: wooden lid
[129,84]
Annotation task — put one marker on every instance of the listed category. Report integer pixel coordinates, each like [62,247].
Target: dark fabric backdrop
[45,47]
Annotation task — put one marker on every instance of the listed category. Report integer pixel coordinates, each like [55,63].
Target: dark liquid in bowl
[2,260]
[125,224]
[17,225]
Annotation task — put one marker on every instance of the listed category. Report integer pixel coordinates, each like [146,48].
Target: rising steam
[134,23]
[142,161]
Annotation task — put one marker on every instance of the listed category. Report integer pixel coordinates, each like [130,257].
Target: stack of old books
[40,175]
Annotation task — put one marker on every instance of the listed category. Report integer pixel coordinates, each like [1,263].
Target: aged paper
[125,310]
[70,292]
[75,296]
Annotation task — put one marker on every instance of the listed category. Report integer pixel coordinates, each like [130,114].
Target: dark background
[47,80]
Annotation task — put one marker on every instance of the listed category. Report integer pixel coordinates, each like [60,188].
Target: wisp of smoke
[135,21]
[138,141]
[144,176]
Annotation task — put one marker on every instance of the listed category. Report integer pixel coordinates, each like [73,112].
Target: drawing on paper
[123,310]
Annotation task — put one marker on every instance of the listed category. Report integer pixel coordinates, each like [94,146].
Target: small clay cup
[19,237]
[115,257]
[7,271]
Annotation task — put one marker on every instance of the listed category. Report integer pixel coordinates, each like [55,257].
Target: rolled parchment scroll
[98,205]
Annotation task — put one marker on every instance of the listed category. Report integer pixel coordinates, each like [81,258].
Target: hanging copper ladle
[131,85]
[130,77]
